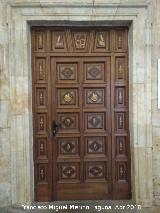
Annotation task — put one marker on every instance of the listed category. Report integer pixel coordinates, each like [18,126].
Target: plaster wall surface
[16,163]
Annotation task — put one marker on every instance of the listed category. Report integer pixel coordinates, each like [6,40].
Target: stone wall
[5,149]
[15,106]
[155,111]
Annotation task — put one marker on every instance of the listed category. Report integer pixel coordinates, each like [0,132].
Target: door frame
[21,16]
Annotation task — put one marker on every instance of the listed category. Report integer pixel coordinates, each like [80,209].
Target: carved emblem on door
[68,122]
[94,71]
[80,40]
[101,40]
[59,41]
[67,72]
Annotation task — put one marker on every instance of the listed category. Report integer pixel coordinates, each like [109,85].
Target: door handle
[55,127]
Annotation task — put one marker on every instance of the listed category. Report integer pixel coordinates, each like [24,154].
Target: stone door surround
[21,16]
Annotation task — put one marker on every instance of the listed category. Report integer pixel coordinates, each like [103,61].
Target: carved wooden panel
[68,172]
[42,148]
[41,123]
[120,121]
[101,43]
[94,72]
[59,41]
[67,72]
[95,97]
[120,96]
[94,121]
[120,69]
[121,148]
[95,145]
[120,41]
[41,97]
[42,172]
[96,171]
[68,146]
[40,70]
[69,122]
[67,98]
[40,41]
[121,168]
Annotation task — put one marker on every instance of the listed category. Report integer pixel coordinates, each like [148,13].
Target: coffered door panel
[81,111]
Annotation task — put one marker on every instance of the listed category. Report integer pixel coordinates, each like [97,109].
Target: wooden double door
[80,113]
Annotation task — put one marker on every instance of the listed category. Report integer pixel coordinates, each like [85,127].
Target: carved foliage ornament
[68,147]
[42,173]
[95,121]
[95,96]
[41,123]
[68,171]
[68,97]
[95,146]
[122,171]
[96,171]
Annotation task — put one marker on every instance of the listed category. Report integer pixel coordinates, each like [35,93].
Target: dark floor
[82,207]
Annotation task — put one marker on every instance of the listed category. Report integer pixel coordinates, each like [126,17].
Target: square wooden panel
[68,172]
[67,72]
[69,122]
[121,171]
[120,41]
[42,148]
[40,70]
[94,72]
[120,69]
[94,97]
[120,121]
[68,146]
[101,41]
[67,98]
[41,122]
[41,97]
[121,146]
[42,172]
[40,41]
[95,171]
[59,41]
[95,145]
[95,121]
[120,96]
[80,41]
